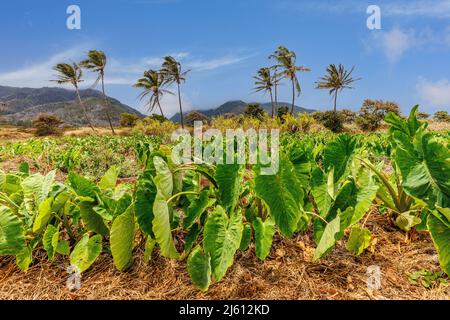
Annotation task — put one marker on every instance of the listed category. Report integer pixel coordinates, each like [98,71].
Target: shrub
[348,115]
[423,115]
[282,111]
[442,116]
[46,125]
[128,119]
[193,116]
[150,126]
[255,111]
[157,117]
[301,124]
[331,120]
[373,112]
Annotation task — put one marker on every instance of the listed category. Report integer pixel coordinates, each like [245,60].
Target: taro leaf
[229,181]
[283,195]
[328,239]
[264,231]
[440,233]
[338,154]
[109,180]
[222,237]
[50,241]
[86,252]
[199,268]
[192,237]
[12,239]
[196,208]
[246,237]
[359,240]
[43,216]
[161,228]
[63,248]
[407,220]
[319,190]
[94,222]
[82,186]
[149,246]
[122,239]
[145,197]
[24,258]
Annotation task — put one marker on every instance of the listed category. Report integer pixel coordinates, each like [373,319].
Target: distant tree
[286,60]
[423,115]
[442,116]
[172,72]
[373,112]
[46,124]
[96,62]
[128,119]
[153,84]
[282,111]
[336,80]
[158,118]
[193,116]
[265,81]
[71,74]
[254,111]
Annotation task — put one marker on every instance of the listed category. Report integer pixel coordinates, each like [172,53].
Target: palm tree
[152,83]
[72,73]
[287,62]
[336,79]
[172,72]
[265,82]
[96,62]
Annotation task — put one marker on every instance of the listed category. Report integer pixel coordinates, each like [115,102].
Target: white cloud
[435,8]
[436,94]
[395,42]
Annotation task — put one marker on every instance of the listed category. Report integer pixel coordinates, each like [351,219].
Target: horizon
[225,43]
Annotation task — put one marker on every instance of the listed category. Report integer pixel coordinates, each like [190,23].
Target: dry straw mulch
[288,273]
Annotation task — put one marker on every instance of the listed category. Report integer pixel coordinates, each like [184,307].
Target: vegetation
[128,119]
[46,125]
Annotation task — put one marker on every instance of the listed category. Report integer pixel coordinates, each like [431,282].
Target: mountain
[238,107]
[22,105]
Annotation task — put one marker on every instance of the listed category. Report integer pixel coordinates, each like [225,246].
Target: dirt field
[286,274]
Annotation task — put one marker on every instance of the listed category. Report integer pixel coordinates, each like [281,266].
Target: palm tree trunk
[84,109]
[293,96]
[276,96]
[273,105]
[160,109]
[335,101]
[107,105]
[181,108]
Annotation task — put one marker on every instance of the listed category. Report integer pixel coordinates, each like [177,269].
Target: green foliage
[359,240]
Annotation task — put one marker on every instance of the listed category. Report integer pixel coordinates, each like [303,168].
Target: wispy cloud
[434,93]
[435,8]
[120,71]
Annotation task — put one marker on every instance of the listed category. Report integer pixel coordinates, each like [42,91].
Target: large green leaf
[229,181]
[199,268]
[196,208]
[82,186]
[50,241]
[122,238]
[86,252]
[163,178]
[145,198]
[161,228]
[94,222]
[44,215]
[222,237]
[283,194]
[264,231]
[338,155]
[109,180]
[440,233]
[12,238]
[246,237]
[24,258]
[328,239]
[319,190]
[358,240]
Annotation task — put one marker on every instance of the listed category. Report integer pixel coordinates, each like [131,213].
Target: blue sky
[225,42]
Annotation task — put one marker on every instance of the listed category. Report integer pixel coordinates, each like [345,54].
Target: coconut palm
[287,62]
[336,79]
[96,62]
[71,74]
[152,82]
[172,72]
[265,82]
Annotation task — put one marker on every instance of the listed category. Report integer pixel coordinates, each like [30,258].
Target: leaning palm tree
[152,82]
[265,82]
[287,62]
[172,72]
[72,73]
[336,79]
[96,62]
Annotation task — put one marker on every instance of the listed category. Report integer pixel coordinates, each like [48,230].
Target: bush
[128,119]
[348,115]
[255,111]
[157,117]
[302,123]
[150,126]
[373,112]
[193,116]
[282,112]
[442,116]
[423,115]
[46,125]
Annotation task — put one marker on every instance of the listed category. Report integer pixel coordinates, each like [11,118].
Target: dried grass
[288,273]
